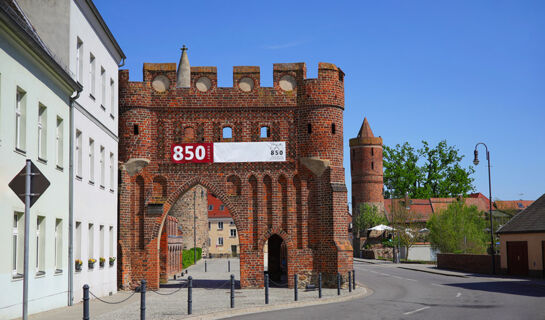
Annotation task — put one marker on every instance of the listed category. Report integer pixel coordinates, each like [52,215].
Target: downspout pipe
[71,203]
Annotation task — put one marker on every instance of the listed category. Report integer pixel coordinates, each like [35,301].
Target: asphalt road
[408,294]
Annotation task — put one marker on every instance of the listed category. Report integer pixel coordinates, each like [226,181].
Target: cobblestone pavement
[211,295]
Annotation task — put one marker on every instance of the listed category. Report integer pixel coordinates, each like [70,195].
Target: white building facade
[87,47]
[35,101]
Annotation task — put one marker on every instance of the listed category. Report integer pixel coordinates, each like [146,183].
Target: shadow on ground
[521,288]
[201,283]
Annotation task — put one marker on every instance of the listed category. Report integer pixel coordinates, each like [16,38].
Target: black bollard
[143,300]
[349,281]
[354,279]
[295,296]
[228,265]
[189,295]
[85,302]
[266,288]
[205,266]
[320,285]
[338,284]
[232,291]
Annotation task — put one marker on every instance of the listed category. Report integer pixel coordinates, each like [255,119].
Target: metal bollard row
[267,288]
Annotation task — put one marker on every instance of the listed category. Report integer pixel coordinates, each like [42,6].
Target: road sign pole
[27,224]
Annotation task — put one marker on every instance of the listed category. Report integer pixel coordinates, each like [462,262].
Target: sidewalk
[211,298]
[430,268]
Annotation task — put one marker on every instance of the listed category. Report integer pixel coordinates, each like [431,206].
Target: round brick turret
[366,172]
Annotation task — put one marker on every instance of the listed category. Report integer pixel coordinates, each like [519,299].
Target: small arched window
[372,151]
[189,133]
[309,128]
[135,130]
[227,133]
[265,132]
[372,165]
[333,129]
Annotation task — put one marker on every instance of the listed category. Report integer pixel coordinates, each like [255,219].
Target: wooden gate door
[517,258]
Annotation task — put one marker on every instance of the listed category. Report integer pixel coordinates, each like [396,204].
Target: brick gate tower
[366,171]
[300,200]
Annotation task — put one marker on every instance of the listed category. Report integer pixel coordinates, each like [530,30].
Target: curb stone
[292,305]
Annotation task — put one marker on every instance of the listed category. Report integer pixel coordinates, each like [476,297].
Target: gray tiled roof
[532,219]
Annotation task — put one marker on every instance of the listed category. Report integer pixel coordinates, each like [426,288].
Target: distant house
[222,231]
[522,242]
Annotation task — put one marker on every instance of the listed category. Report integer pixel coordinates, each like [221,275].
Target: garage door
[517,258]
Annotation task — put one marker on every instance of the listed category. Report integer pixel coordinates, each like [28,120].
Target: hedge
[188,256]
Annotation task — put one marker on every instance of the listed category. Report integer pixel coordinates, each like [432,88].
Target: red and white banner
[222,152]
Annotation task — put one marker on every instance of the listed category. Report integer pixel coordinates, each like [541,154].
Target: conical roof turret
[183,75]
[365,130]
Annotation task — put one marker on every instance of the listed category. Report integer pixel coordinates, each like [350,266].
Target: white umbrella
[424,230]
[380,227]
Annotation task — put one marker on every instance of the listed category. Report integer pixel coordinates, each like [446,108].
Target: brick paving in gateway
[211,298]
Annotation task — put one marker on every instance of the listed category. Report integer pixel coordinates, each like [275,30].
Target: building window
[227,133]
[101,240]
[40,244]
[92,71]
[77,247]
[233,233]
[20,120]
[209,242]
[58,245]
[102,166]
[220,225]
[222,207]
[208,225]
[135,129]
[265,132]
[112,173]
[103,88]
[220,241]
[231,223]
[59,141]
[18,238]
[333,129]
[112,242]
[78,154]
[112,97]
[309,128]
[42,132]
[79,60]
[210,207]
[91,243]
[372,165]
[91,160]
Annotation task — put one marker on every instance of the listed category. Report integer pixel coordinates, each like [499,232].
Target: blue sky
[464,71]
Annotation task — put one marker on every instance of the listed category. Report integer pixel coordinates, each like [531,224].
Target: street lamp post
[476,162]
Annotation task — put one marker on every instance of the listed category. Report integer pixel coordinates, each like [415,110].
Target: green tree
[458,229]
[368,217]
[425,173]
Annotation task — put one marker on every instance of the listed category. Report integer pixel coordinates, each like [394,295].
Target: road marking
[410,279]
[415,311]
[458,295]
[385,274]
[436,284]
[397,277]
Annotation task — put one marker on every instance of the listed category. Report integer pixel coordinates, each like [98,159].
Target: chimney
[183,75]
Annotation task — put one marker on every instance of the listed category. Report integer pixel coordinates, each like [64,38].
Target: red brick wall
[474,263]
[284,198]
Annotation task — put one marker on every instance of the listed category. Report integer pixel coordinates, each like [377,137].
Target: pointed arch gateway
[265,198]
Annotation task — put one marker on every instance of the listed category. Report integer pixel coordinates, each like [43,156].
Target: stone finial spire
[183,75]
[365,130]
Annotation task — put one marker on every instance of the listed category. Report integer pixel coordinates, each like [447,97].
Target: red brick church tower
[366,170]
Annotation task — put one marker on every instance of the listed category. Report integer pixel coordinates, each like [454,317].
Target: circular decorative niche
[246,84]
[287,83]
[203,84]
[160,83]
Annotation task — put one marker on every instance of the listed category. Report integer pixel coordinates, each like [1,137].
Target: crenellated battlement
[290,87]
